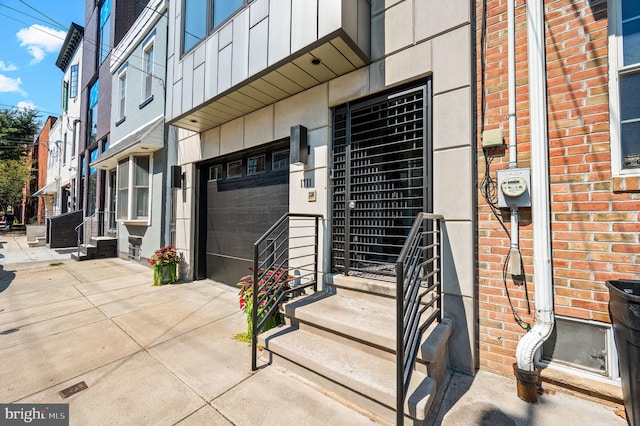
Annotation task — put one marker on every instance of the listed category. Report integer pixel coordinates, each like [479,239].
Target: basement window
[586,346]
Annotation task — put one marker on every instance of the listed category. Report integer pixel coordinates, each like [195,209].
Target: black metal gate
[381,178]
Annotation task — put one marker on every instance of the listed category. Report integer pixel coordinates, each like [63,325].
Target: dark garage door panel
[235,220]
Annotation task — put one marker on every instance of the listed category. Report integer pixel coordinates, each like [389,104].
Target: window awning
[147,139]
[48,189]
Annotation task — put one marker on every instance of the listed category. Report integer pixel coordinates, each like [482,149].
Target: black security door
[381,178]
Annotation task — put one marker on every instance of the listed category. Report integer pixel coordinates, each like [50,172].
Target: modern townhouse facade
[382,94]
[585,91]
[138,202]
[106,23]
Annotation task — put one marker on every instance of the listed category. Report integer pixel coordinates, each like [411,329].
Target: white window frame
[122,94]
[74,80]
[612,357]
[131,218]
[616,67]
[148,69]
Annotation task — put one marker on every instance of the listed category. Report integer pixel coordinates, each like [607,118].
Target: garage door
[246,194]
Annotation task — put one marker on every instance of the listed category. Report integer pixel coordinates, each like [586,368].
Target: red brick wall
[42,146]
[594,217]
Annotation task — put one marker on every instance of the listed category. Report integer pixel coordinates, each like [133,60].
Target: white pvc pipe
[543,299]
[513,134]
[511,76]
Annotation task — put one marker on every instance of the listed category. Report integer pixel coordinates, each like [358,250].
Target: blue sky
[31,35]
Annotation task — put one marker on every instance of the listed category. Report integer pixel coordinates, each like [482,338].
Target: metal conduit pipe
[514,253]
[543,298]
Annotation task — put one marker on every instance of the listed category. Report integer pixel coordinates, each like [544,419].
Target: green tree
[14,175]
[17,128]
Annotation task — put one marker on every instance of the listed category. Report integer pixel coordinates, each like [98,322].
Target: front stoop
[346,344]
[98,248]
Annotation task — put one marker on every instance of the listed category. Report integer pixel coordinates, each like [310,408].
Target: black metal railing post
[254,310]
[272,283]
[418,275]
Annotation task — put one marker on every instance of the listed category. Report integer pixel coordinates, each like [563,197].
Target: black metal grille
[379,179]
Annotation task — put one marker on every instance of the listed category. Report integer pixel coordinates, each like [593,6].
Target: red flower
[242,301]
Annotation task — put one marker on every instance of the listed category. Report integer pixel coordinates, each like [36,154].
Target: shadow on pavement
[6,278]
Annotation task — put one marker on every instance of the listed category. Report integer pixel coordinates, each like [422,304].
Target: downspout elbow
[533,340]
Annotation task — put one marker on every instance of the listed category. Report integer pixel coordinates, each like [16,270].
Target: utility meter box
[514,188]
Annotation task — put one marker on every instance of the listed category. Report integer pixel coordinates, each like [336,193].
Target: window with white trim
[625,86]
[73,81]
[148,71]
[122,94]
[133,188]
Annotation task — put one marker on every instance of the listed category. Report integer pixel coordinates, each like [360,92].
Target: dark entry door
[381,178]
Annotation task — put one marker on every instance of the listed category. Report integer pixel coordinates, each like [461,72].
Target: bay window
[133,188]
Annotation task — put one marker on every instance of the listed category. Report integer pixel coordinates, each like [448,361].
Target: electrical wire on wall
[489,185]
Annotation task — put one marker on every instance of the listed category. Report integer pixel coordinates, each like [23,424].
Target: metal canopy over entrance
[381,178]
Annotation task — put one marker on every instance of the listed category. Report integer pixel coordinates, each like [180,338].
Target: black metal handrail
[285,262]
[94,226]
[418,298]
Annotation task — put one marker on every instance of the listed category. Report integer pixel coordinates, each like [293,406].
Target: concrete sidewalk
[166,355]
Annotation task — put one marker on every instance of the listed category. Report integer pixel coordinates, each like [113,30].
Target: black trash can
[624,308]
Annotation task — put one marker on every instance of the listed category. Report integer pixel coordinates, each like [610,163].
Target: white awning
[48,189]
[147,139]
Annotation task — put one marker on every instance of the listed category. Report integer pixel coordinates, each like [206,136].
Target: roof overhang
[324,60]
[71,42]
[48,189]
[145,140]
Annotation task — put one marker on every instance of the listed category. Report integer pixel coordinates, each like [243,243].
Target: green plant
[165,260]
[272,281]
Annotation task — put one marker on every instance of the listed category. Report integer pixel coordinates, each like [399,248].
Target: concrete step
[37,242]
[98,248]
[383,292]
[358,376]
[361,324]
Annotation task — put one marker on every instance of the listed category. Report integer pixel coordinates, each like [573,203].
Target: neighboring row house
[138,195]
[512,125]
[580,109]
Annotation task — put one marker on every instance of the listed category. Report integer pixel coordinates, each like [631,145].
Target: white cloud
[40,40]
[26,105]
[8,84]
[7,67]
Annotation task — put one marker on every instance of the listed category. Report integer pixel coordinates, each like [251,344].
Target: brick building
[593,183]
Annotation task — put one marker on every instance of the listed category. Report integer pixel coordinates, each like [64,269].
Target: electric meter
[513,188]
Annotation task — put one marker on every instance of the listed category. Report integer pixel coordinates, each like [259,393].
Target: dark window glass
[65,95]
[234,168]
[630,145]
[215,172]
[222,9]
[104,34]
[195,22]
[630,9]
[255,165]
[631,42]
[73,82]
[280,160]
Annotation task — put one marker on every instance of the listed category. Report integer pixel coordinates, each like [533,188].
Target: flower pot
[165,274]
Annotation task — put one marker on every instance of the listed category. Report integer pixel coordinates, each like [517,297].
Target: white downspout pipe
[543,298]
[514,255]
